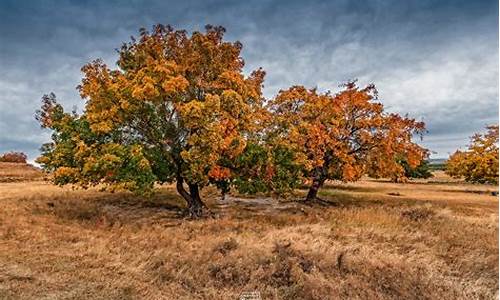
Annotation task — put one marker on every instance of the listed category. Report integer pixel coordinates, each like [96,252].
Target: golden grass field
[429,239]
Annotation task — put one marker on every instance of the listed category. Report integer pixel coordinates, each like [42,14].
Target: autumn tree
[341,136]
[14,157]
[479,163]
[176,109]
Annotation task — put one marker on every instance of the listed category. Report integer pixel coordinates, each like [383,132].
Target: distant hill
[10,172]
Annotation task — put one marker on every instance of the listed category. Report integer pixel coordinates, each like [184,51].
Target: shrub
[14,157]
[423,170]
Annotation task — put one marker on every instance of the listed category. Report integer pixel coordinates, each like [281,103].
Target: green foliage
[423,170]
[288,175]
[250,170]
[77,155]
[267,169]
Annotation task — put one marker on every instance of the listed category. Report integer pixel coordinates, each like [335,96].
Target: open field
[435,239]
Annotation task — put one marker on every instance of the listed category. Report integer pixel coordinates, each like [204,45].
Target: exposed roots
[318,201]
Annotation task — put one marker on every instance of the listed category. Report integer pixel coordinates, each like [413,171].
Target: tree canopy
[342,136]
[179,108]
[176,106]
[479,163]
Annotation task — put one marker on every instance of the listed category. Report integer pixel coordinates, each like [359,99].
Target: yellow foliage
[341,136]
[480,162]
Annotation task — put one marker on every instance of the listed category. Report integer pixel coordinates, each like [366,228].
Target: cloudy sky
[435,60]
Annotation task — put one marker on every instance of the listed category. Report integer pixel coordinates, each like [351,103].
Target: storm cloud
[435,60]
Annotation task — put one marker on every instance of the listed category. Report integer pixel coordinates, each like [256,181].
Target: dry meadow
[427,239]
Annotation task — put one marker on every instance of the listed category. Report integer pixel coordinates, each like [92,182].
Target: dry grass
[434,241]
[10,172]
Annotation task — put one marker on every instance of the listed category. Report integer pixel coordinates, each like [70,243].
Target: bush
[421,171]
[15,157]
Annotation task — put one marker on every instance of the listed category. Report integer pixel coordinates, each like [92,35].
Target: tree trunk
[312,195]
[193,200]
[196,209]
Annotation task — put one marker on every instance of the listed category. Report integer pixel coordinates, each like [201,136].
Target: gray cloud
[436,60]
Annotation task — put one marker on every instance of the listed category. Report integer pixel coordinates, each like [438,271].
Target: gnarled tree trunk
[312,195]
[193,200]
[319,176]
[196,207]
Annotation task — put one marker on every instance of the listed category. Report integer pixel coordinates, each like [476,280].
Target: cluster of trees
[179,109]
[479,163]
[14,157]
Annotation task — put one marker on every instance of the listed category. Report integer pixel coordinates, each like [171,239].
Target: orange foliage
[219,173]
[344,135]
[177,106]
[480,162]
[194,82]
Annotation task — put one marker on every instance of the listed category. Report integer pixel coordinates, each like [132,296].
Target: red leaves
[14,157]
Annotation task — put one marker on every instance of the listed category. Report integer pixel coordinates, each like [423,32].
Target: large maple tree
[178,108]
[343,136]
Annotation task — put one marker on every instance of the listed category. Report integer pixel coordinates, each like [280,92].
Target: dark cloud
[436,60]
